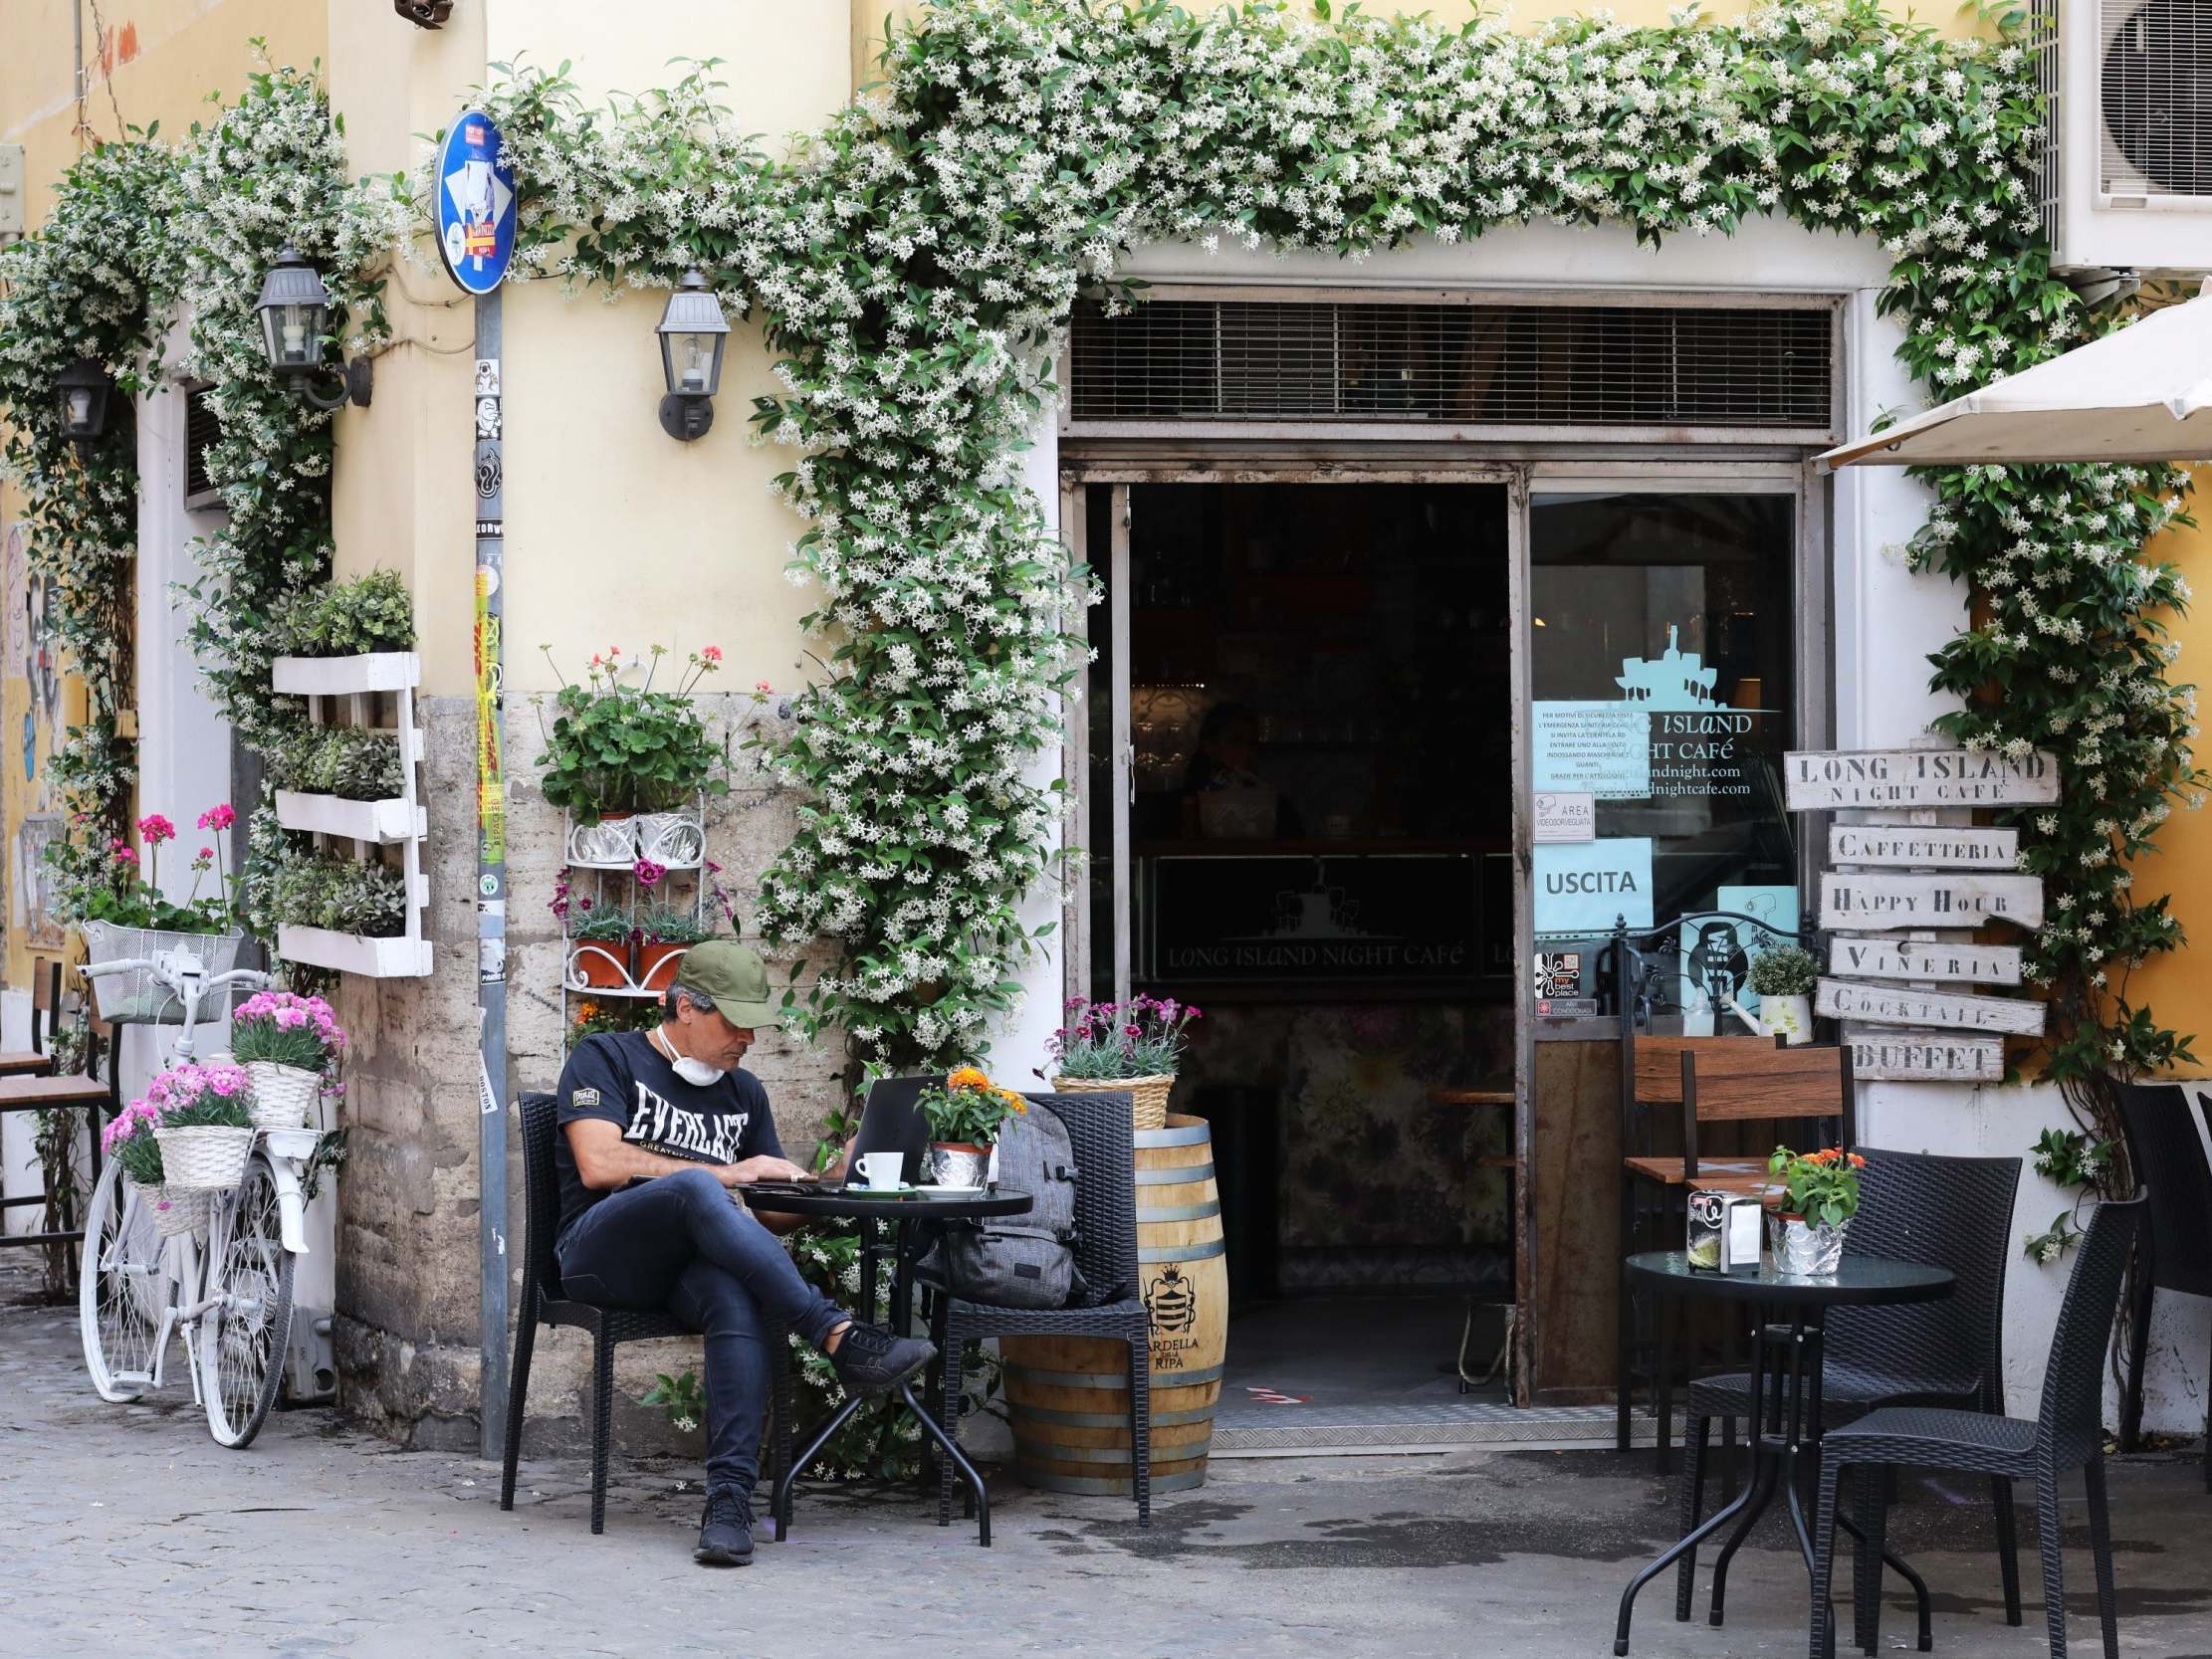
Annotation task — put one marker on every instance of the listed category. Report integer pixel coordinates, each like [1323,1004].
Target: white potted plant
[1133,1046]
[207,1127]
[289,1046]
[1783,979]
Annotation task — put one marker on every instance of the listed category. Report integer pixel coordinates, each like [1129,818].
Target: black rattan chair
[2067,1434]
[2167,1146]
[545,1303]
[1953,1212]
[1100,1128]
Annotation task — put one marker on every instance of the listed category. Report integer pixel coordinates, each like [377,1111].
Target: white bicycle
[225,1286]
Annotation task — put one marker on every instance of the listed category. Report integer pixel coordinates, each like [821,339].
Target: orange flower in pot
[963,1113]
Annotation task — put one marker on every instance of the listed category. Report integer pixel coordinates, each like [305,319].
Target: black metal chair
[2167,1137]
[2067,1434]
[1953,1212]
[544,1303]
[1100,1128]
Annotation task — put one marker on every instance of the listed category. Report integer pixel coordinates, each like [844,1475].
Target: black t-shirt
[619,1077]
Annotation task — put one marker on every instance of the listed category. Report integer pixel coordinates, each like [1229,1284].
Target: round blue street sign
[476,204]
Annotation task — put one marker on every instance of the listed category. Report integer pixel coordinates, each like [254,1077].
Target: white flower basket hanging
[204,1158]
[611,843]
[137,996]
[175,1213]
[673,840]
[283,1095]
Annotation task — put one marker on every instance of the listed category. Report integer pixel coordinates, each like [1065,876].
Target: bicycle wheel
[242,1336]
[120,1289]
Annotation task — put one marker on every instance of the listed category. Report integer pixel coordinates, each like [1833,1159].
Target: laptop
[892,1122]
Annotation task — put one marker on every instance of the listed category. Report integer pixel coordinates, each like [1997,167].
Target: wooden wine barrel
[1068,1396]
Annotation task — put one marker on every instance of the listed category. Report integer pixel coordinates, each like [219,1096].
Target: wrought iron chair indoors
[2067,1434]
[1099,1127]
[544,1303]
[1951,1212]
[2169,1142]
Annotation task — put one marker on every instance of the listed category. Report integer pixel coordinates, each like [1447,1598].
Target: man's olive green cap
[735,976]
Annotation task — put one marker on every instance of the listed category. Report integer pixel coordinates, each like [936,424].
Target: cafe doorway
[1298,762]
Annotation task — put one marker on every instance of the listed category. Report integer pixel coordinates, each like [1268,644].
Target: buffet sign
[1905,994]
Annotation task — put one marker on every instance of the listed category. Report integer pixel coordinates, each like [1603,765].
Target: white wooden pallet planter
[401,821]
[386,822]
[377,671]
[371,958]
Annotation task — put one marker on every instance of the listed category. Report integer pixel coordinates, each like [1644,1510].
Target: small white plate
[950,1191]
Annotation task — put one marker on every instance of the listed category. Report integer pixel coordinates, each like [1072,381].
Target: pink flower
[763,686]
[218,817]
[710,654]
[156,829]
[647,872]
[123,855]
[207,852]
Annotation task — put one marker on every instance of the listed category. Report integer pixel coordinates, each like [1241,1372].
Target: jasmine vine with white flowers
[916,258]
[105,271]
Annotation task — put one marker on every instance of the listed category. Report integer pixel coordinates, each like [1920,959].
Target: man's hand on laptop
[752,1170]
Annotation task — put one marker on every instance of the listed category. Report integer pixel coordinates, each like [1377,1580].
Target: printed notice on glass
[1602,748]
[1582,887]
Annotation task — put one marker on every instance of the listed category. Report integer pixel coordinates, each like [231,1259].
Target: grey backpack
[1022,1261]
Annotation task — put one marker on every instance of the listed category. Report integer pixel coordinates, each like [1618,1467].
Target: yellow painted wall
[2178,987]
[157,61]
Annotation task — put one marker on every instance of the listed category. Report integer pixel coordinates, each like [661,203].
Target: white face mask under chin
[697,1073]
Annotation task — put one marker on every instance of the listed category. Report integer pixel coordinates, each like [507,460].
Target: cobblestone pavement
[128,1531]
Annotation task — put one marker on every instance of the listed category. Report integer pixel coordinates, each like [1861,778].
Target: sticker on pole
[476,204]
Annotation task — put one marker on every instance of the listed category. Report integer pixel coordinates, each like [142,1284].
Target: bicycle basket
[137,996]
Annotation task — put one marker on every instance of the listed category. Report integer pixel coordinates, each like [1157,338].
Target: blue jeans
[682,1242]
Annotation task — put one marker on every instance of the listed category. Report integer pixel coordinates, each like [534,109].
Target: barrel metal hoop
[1177,1212]
[1196,1134]
[1104,1419]
[1185,1175]
[1181,1252]
[1110,1379]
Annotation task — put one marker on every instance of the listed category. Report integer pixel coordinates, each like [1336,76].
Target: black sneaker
[871,1360]
[725,1531]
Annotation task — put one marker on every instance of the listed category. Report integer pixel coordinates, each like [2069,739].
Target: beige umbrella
[2141,394]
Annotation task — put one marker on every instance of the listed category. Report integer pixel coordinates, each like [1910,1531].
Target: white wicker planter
[204,1158]
[609,844]
[284,1095]
[673,840]
[137,996]
[175,1213]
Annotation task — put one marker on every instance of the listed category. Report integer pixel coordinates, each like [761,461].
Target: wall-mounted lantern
[82,388]
[293,308]
[693,332]
[424,14]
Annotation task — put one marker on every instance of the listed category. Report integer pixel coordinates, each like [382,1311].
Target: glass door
[1664,682]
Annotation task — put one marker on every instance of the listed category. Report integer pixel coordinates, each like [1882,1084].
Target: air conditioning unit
[2127,151]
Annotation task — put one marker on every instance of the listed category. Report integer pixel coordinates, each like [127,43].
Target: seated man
[656,1125]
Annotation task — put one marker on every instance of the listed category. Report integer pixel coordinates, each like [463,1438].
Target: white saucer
[950,1191]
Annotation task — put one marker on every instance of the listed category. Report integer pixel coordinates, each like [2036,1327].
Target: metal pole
[491,879]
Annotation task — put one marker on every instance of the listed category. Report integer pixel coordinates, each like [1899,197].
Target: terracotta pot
[656,965]
[602,965]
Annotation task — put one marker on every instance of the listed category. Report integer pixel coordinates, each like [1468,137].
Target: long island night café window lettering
[1662,685]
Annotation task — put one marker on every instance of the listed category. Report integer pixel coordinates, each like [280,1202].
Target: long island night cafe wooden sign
[1905,993]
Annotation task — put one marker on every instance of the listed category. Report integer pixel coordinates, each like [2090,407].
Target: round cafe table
[1789,1317]
[914,1222]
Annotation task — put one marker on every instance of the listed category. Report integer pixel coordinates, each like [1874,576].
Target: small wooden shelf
[376,671]
[372,958]
[386,822]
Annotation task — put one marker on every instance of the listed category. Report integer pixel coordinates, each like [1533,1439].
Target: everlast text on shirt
[659,1126]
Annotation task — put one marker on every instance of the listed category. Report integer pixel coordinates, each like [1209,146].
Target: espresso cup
[881,1169]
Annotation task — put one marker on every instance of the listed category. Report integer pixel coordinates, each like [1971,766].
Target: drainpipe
[490,880]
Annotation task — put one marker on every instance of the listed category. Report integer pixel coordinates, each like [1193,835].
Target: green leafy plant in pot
[667,932]
[1783,977]
[615,749]
[963,1113]
[1811,1199]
